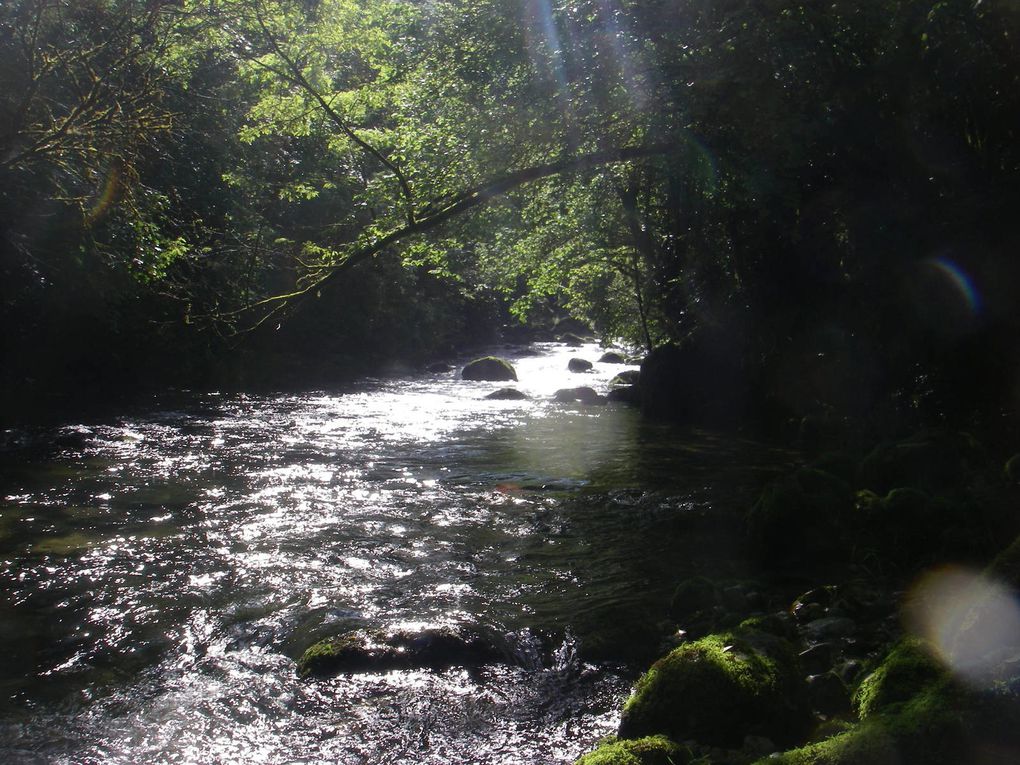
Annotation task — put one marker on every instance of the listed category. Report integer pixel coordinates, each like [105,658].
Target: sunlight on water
[162,572]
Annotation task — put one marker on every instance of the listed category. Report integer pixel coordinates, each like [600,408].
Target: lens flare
[960,281]
[109,195]
[972,622]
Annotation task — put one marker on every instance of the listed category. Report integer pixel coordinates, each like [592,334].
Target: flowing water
[161,571]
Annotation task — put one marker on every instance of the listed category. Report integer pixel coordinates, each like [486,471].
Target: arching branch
[451,207]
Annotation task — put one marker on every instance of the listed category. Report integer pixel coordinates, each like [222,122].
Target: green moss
[927,729]
[354,652]
[651,750]
[907,670]
[489,368]
[718,690]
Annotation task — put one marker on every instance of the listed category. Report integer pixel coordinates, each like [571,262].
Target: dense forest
[799,214]
[817,199]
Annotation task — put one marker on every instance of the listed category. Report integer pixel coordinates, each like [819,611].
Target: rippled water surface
[163,570]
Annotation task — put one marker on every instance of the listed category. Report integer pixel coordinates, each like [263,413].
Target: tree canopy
[821,193]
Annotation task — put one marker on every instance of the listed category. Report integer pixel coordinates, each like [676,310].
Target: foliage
[824,191]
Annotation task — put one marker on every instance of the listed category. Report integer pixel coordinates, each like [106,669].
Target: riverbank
[905,650]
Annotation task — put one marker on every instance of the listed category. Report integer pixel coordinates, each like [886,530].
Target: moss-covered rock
[489,368]
[907,670]
[627,377]
[929,728]
[377,651]
[800,518]
[719,689]
[579,365]
[612,357]
[651,750]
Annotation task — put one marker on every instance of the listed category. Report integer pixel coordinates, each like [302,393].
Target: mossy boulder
[651,750]
[612,357]
[626,377]
[800,518]
[720,689]
[489,368]
[378,651]
[579,365]
[914,713]
[907,670]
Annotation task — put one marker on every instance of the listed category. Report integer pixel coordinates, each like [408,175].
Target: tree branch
[466,200]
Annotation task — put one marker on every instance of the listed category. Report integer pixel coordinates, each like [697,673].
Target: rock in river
[489,368]
[579,365]
[584,395]
[508,394]
[377,651]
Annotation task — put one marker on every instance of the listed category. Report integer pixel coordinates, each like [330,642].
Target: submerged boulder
[583,394]
[507,394]
[720,689]
[579,365]
[378,651]
[489,368]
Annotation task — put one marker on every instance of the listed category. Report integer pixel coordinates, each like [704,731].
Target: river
[164,568]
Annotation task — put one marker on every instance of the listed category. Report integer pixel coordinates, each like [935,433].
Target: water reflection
[161,572]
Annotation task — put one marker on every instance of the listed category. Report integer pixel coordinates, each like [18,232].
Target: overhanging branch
[444,210]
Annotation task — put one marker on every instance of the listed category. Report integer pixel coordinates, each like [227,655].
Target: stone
[579,365]
[819,658]
[626,394]
[377,651]
[651,750]
[626,377]
[828,628]
[829,694]
[719,689]
[611,357]
[489,368]
[507,394]
[584,395]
